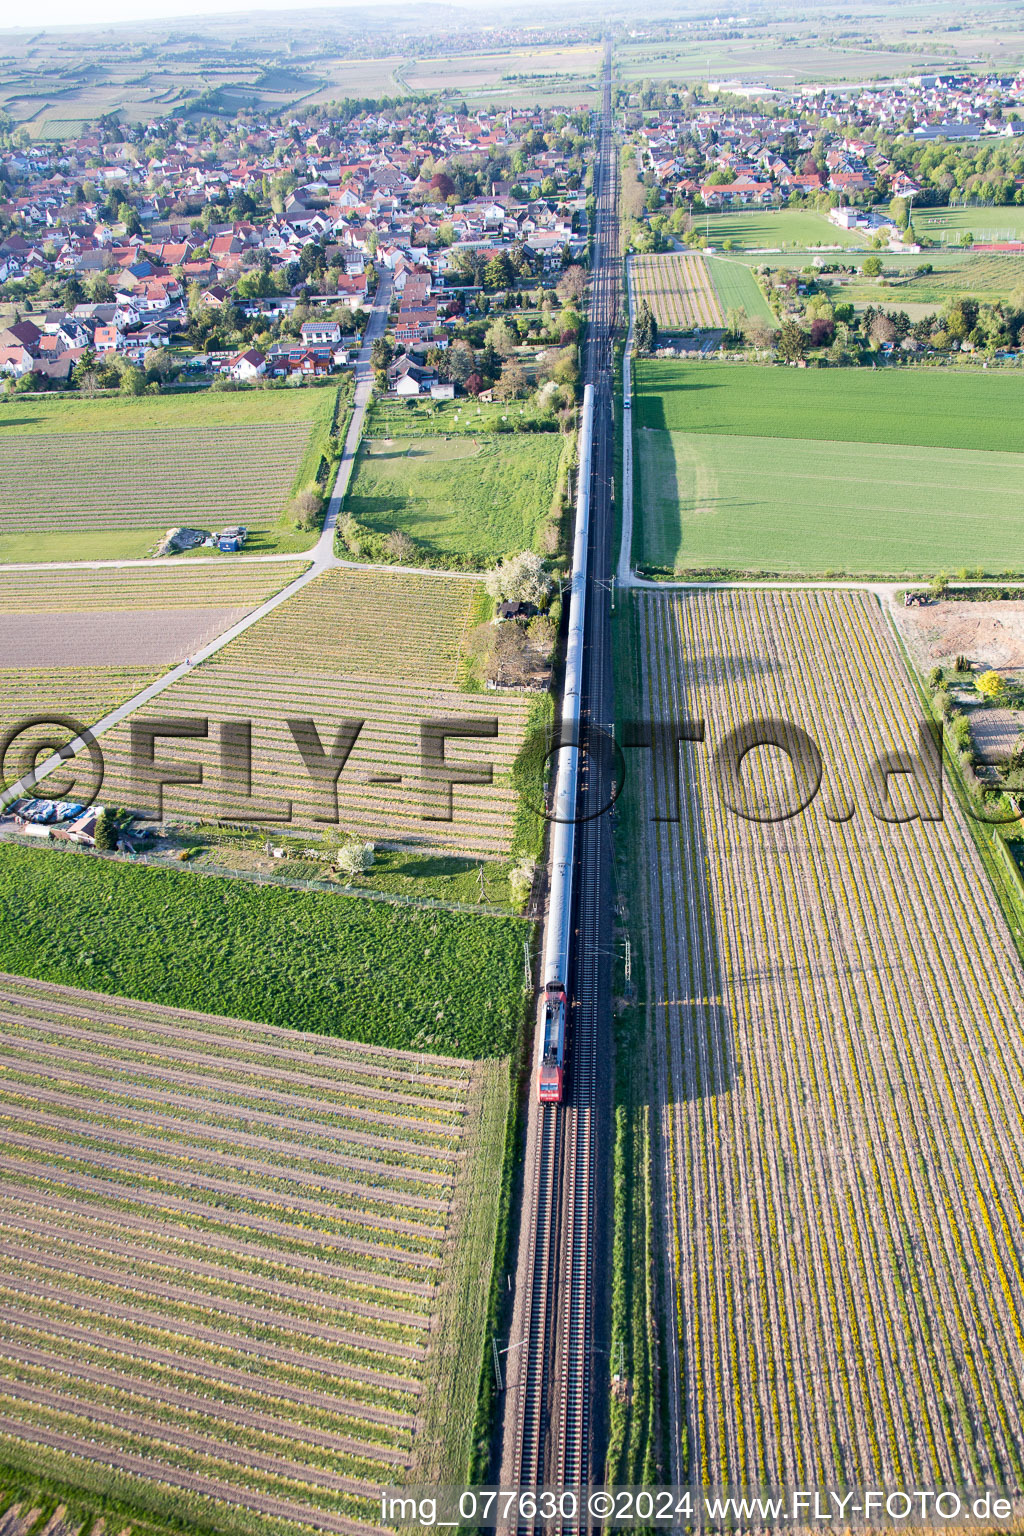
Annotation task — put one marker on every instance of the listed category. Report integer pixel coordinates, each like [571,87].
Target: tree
[461,362]
[760,335]
[792,342]
[106,832]
[883,330]
[97,286]
[572,285]
[355,858]
[521,579]
[520,879]
[399,547]
[513,383]
[305,509]
[499,337]
[133,380]
[498,272]
[645,328]
[872,266]
[509,663]
[735,322]
[990,685]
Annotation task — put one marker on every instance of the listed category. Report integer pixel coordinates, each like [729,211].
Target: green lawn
[435,418]
[754,228]
[737,288]
[280,538]
[983,223]
[989,275]
[472,498]
[802,470]
[929,407]
[418,979]
[793,504]
[204,408]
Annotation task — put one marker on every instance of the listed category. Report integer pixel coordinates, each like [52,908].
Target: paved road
[323,559]
[323,552]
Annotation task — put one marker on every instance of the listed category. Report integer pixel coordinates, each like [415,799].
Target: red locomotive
[552,1016]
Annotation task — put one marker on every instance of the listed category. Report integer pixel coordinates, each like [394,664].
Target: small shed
[517,611]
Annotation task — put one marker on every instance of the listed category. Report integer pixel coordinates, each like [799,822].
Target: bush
[349,534]
[990,685]
[305,510]
[356,858]
[522,579]
[399,547]
[520,880]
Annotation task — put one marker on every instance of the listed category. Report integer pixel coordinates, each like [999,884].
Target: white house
[320,332]
[247,365]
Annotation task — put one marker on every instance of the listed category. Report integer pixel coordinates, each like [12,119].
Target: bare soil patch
[995,733]
[152,637]
[991,634]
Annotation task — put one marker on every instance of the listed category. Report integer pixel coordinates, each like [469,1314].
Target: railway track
[552,1415]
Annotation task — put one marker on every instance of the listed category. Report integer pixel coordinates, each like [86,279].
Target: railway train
[554,1002]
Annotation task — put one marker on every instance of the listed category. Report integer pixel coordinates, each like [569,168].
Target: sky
[83,13]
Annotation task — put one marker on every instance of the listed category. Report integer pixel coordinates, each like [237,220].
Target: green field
[737,288]
[441,418]
[758,57]
[789,504]
[410,978]
[474,499]
[985,224]
[988,276]
[104,479]
[800,471]
[936,408]
[767,229]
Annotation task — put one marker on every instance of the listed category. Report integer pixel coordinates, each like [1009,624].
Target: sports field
[767,229]
[835,1010]
[856,471]
[985,224]
[245,1270]
[106,478]
[471,498]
